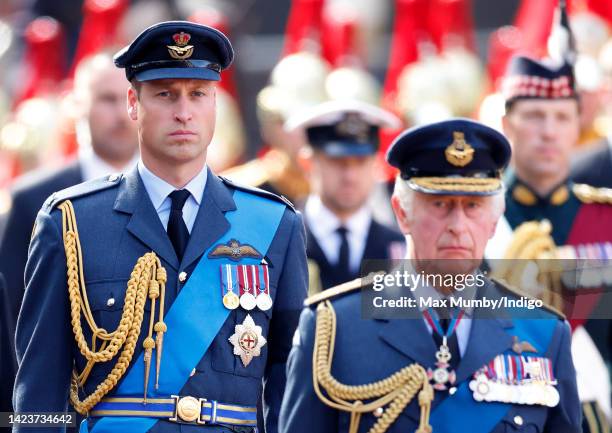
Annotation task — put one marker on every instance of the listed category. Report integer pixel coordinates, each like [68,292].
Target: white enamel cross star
[247,340]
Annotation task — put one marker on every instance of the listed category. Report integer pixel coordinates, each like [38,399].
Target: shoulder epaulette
[82,189]
[258,191]
[333,292]
[339,290]
[590,194]
[519,293]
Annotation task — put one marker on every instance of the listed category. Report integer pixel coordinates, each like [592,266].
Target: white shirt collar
[158,189]
[93,167]
[323,222]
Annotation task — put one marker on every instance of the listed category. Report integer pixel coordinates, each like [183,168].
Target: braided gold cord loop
[148,279]
[396,391]
[532,243]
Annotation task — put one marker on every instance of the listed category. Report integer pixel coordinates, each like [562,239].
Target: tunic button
[110,302]
[183,277]
[113,178]
[518,420]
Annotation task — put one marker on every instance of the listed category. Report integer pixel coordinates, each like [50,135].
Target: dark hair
[136,85]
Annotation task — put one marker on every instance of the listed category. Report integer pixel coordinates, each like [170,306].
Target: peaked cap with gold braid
[457,157]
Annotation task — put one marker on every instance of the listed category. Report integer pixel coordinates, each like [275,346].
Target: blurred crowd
[433,71]
[62,101]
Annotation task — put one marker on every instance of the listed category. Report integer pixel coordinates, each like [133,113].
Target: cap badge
[459,153]
[181,50]
[352,125]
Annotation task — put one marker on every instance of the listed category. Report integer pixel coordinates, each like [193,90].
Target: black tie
[453,342]
[343,257]
[177,229]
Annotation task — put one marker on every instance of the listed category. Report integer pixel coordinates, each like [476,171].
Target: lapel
[373,242]
[411,338]
[210,223]
[313,249]
[144,224]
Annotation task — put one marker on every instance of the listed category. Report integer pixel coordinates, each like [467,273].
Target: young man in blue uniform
[159,300]
[353,369]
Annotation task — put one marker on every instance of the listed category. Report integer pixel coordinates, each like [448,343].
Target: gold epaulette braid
[532,243]
[148,279]
[396,391]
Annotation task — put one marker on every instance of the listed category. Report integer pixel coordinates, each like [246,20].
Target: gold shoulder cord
[148,279]
[532,242]
[396,390]
[590,194]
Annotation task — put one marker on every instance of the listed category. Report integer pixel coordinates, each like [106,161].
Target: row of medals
[247,300]
[585,265]
[527,392]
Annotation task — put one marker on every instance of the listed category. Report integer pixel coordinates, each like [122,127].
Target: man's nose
[457,220]
[549,127]
[182,112]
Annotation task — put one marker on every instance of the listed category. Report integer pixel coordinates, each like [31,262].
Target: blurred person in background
[548,215]
[108,143]
[340,229]
[593,164]
[277,169]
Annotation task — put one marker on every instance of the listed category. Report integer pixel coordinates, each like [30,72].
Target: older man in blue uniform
[458,369]
[161,299]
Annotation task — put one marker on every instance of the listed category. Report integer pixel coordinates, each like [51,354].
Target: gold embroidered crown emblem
[181,50]
[181,39]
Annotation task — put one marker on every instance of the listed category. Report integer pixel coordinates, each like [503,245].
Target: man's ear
[494,229]
[506,124]
[400,215]
[132,103]
[304,159]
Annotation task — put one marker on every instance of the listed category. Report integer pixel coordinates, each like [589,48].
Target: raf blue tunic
[117,224]
[368,350]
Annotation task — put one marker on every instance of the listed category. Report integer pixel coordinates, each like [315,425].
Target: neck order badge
[442,375]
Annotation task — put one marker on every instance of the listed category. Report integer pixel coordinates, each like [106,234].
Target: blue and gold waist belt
[190,410]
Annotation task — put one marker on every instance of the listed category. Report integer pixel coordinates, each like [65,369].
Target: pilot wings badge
[234,251]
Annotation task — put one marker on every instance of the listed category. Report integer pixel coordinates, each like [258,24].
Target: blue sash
[197,311]
[486,415]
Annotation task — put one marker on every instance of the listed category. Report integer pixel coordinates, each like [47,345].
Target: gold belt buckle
[187,409]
